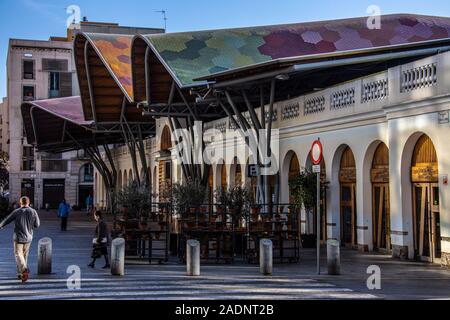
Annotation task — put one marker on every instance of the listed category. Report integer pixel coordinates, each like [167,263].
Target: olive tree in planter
[136,202]
[304,194]
[189,196]
[239,202]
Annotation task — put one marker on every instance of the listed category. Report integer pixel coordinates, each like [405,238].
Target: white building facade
[385,158]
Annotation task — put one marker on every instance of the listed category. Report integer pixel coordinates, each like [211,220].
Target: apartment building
[39,70]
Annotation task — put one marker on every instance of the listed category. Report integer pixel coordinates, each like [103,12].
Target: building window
[60,84]
[54,85]
[28,69]
[87,173]
[28,159]
[28,93]
[54,165]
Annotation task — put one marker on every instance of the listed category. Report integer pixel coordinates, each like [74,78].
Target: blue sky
[39,19]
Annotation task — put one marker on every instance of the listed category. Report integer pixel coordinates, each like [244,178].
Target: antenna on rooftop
[163,12]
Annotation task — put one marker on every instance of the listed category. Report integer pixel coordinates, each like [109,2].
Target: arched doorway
[380,199]
[125,179]
[347,179]
[236,172]
[425,186]
[294,171]
[211,188]
[165,169]
[119,181]
[223,177]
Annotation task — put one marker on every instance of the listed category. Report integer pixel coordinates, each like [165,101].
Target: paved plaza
[400,279]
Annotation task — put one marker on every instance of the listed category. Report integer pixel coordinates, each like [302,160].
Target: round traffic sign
[316,153]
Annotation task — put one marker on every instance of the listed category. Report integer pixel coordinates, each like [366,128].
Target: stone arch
[223,177]
[423,176]
[366,189]
[289,163]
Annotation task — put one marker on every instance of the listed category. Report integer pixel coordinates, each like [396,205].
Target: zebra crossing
[169,283]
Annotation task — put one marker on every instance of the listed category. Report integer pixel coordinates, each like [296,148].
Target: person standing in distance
[26,220]
[63,213]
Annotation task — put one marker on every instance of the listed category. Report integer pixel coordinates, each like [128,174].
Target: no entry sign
[316,153]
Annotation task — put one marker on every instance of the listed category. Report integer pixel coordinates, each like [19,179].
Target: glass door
[427,222]
[381,217]
[348,215]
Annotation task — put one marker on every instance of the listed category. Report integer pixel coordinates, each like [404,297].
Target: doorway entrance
[54,192]
[347,177]
[426,215]
[380,200]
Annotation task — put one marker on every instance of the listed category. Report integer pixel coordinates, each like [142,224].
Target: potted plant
[304,194]
[189,197]
[136,202]
[239,202]
[221,197]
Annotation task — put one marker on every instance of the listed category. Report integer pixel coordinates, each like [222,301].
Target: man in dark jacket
[26,220]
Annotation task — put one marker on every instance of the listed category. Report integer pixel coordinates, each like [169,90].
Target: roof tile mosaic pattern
[197,54]
[115,50]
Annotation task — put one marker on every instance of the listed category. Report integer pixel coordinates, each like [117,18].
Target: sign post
[316,159]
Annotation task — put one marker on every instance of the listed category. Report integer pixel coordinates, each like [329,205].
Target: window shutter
[65,84]
[55,65]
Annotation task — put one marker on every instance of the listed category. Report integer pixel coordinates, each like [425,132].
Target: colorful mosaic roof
[192,55]
[115,50]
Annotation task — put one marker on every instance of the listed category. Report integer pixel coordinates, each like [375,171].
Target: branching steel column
[269,138]
[141,149]
[129,140]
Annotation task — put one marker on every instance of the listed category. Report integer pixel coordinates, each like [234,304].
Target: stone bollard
[45,256]
[266,256]
[118,257]
[193,258]
[334,257]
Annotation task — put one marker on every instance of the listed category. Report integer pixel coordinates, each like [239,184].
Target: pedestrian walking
[26,220]
[100,241]
[63,214]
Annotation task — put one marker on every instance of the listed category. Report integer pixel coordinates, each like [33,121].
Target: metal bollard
[45,256]
[118,257]
[334,257]
[266,256]
[193,258]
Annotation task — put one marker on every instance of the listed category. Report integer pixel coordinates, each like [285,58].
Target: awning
[58,125]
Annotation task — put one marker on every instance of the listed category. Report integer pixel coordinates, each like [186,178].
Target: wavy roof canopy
[104,62]
[193,55]
[52,125]
[47,121]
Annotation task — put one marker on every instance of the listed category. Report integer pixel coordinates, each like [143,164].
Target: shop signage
[425,174]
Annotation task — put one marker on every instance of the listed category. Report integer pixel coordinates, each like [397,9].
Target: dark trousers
[64,224]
